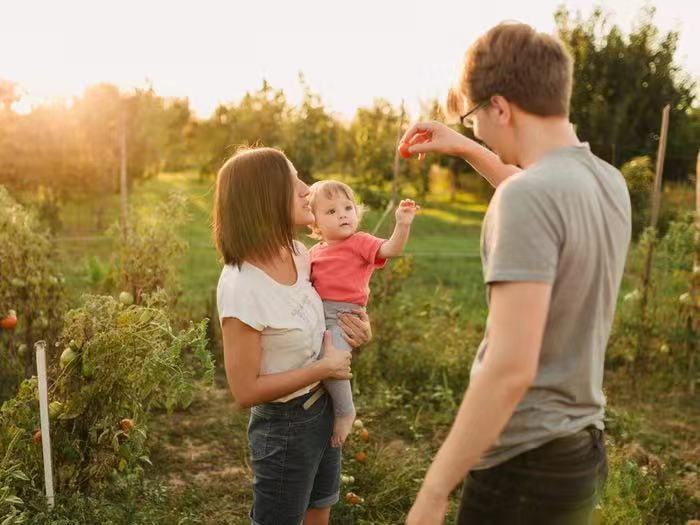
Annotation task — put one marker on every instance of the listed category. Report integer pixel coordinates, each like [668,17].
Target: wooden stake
[655,205]
[40,348]
[660,157]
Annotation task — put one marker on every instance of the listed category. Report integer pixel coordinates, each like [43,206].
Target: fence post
[122,174]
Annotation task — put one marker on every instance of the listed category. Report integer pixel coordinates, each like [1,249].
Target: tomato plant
[138,361]
[149,249]
[31,291]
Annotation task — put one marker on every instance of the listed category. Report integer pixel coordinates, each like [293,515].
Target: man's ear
[502,109]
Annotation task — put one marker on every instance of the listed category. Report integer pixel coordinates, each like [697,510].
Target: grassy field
[407,386]
[444,241]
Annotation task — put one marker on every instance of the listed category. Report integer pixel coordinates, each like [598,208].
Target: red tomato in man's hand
[421,136]
[403,150]
[418,138]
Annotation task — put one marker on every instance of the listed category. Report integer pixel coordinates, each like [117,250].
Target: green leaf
[20,475]
[14,500]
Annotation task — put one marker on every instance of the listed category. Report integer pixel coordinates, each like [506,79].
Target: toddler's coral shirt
[341,271]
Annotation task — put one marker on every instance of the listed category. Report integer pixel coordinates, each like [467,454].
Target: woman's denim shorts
[294,466]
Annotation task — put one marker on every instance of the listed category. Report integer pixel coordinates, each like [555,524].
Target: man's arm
[486,162]
[517,318]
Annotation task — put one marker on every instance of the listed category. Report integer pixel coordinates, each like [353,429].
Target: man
[529,433]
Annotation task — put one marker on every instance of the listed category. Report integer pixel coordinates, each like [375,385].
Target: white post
[40,348]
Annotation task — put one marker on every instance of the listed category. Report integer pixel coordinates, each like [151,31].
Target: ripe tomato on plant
[126,424]
[9,322]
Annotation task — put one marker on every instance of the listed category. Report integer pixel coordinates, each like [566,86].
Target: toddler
[341,267]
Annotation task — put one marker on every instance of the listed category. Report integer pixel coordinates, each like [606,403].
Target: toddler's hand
[406,211]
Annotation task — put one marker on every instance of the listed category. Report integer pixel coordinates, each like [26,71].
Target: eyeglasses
[467,120]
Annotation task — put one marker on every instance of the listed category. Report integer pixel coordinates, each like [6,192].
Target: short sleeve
[368,246]
[234,299]
[523,240]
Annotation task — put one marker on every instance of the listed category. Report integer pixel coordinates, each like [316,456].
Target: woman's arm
[242,353]
[447,141]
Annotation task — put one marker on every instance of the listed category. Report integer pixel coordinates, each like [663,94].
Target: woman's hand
[435,137]
[335,363]
[356,327]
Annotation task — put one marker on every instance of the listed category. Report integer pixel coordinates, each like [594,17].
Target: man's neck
[538,136]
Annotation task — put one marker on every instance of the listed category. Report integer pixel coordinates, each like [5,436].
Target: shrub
[125,361]
[150,247]
[30,285]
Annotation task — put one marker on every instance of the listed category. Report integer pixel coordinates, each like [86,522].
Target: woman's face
[301,211]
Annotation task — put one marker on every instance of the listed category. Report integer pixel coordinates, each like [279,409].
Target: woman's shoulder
[234,279]
[237,296]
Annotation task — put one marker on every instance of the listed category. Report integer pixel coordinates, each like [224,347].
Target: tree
[374,131]
[621,83]
[312,135]
[9,94]
[259,118]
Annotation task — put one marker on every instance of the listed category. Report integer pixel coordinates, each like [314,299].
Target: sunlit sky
[349,51]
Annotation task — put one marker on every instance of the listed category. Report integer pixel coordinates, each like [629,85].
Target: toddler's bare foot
[341,428]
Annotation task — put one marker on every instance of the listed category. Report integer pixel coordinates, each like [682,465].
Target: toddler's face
[336,217]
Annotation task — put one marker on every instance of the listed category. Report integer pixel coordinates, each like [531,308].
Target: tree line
[61,150]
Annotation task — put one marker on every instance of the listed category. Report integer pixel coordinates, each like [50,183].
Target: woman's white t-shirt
[289,317]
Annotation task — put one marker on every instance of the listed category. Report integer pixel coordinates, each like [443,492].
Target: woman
[273,332]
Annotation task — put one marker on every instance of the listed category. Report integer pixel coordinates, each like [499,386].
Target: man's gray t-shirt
[563,221]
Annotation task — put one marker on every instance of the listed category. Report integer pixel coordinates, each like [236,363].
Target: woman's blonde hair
[330,189]
[253,206]
[533,70]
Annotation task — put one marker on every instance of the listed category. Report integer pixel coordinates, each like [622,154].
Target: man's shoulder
[523,185]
